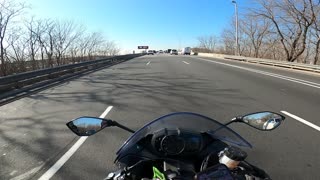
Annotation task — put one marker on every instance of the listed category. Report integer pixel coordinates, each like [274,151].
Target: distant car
[160,52]
[150,52]
[186,51]
[174,52]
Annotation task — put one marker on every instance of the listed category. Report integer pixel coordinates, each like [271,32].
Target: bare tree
[256,30]
[49,40]
[64,34]
[23,46]
[8,11]
[228,39]
[75,48]
[39,33]
[33,41]
[74,51]
[17,51]
[208,42]
[109,48]
[315,32]
[96,39]
[114,49]
[272,48]
[291,19]
[83,45]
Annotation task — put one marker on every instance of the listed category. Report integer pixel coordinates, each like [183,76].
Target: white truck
[186,51]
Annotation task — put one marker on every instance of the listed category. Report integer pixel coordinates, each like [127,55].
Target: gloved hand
[248,171]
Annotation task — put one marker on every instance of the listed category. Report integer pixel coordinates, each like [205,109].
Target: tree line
[37,43]
[286,30]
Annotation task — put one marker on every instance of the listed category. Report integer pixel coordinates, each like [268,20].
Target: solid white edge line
[185,62]
[285,77]
[307,83]
[105,113]
[301,120]
[148,63]
[51,171]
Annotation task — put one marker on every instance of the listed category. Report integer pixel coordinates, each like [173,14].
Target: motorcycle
[183,145]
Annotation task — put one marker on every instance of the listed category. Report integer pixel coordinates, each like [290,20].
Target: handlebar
[185,172]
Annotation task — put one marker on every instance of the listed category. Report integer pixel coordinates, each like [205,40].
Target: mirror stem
[236,119]
[230,122]
[114,123]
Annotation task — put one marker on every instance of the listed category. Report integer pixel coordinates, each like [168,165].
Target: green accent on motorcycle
[157,174]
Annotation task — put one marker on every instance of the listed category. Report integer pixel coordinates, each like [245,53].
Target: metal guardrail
[18,83]
[284,64]
[291,65]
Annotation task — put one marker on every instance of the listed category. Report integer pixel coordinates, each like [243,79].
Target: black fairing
[138,146]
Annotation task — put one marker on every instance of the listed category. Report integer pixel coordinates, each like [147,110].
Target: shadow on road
[21,153]
[123,90]
[37,135]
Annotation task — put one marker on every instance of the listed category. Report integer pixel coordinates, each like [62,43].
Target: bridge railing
[284,64]
[17,83]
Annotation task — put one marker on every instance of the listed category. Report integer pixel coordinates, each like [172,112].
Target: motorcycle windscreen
[188,121]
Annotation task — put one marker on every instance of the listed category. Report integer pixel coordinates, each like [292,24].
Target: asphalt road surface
[33,135]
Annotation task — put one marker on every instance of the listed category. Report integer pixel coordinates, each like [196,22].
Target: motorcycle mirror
[87,126]
[265,121]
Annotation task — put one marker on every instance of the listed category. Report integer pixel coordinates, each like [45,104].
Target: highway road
[33,135]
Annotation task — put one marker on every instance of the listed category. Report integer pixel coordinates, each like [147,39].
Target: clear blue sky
[161,24]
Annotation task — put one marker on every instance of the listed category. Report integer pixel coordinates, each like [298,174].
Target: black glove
[254,171]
